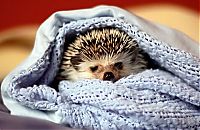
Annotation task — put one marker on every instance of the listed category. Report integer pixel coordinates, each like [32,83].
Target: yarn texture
[166,98]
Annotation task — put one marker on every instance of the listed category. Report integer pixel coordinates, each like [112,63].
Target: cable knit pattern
[153,99]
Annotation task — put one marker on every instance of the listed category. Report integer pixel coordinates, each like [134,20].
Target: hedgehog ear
[75,61]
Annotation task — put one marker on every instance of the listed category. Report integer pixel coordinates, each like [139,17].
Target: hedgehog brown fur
[105,53]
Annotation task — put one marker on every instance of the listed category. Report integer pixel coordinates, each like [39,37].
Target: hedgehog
[102,53]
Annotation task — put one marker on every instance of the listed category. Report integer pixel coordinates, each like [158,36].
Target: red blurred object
[24,12]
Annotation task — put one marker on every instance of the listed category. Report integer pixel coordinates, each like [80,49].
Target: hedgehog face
[106,54]
[108,68]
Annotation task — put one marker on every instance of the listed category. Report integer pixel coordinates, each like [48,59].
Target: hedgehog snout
[109,76]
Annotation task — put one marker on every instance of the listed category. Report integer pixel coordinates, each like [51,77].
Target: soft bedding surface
[13,122]
[154,99]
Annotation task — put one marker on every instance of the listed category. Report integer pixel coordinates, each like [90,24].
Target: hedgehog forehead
[106,60]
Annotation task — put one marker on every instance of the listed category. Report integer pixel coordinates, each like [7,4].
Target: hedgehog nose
[109,76]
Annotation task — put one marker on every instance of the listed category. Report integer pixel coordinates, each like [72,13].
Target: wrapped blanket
[153,99]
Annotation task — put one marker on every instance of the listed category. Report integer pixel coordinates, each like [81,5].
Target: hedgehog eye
[118,65]
[94,68]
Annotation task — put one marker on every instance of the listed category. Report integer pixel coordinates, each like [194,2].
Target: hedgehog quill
[105,54]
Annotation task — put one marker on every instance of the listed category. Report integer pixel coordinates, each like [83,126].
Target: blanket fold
[154,99]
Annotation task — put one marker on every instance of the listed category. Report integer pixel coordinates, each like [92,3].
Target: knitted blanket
[154,99]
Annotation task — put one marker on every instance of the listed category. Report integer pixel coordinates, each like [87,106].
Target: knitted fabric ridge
[153,99]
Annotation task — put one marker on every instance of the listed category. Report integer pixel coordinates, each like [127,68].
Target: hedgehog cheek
[85,75]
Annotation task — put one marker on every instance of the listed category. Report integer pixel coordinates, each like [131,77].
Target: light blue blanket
[153,99]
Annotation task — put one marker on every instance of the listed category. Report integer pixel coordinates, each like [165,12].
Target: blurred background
[21,18]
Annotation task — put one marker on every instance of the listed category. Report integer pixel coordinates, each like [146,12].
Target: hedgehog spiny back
[100,42]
